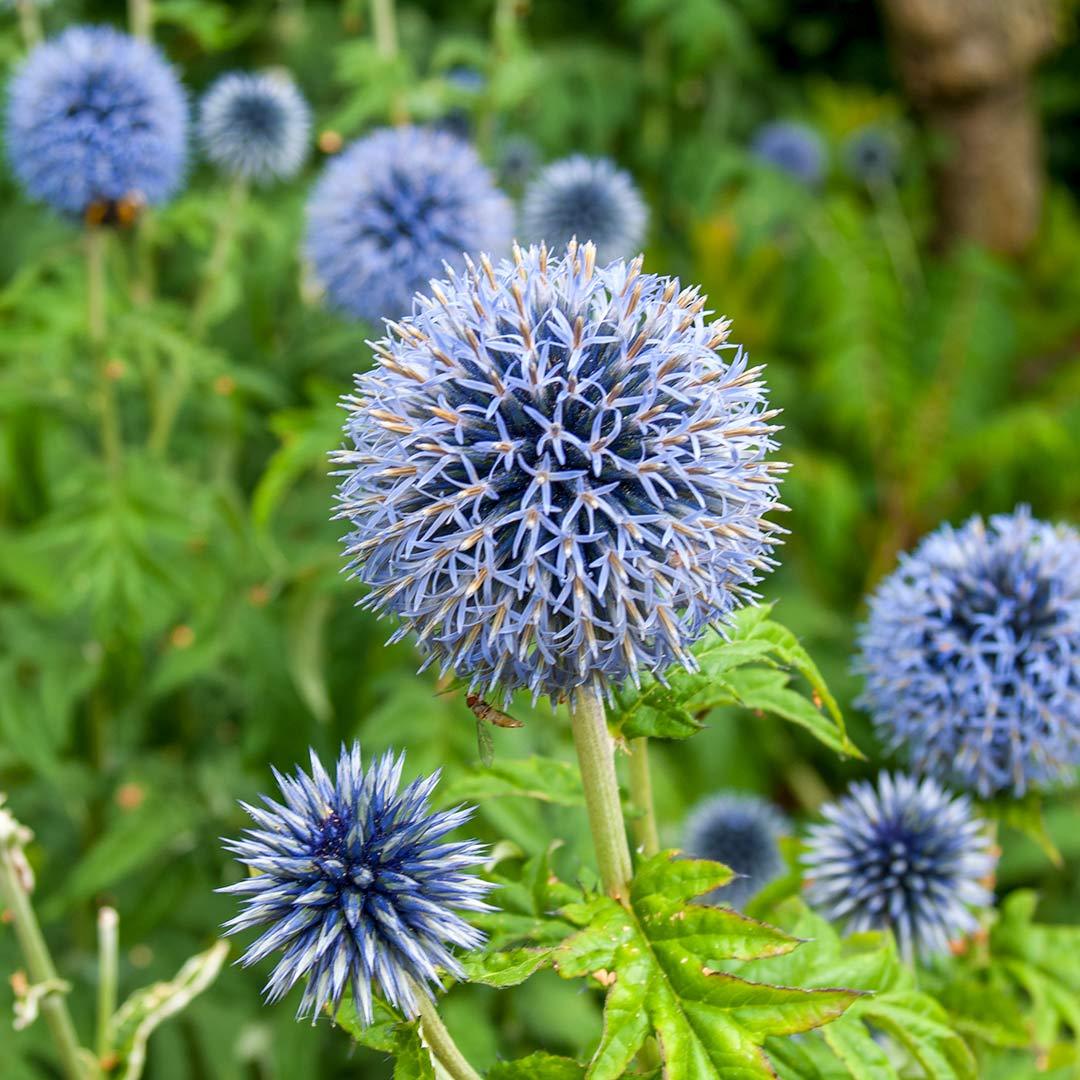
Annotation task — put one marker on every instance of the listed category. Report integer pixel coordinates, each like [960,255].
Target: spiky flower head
[589,199]
[905,856]
[742,832]
[556,477]
[871,155]
[95,119]
[793,148]
[971,654]
[255,125]
[357,886]
[391,209]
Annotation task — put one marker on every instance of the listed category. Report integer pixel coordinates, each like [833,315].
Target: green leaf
[505,968]
[1026,816]
[538,1066]
[540,778]
[380,1034]
[411,1058]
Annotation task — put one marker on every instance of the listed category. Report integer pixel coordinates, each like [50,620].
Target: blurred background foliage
[172,622]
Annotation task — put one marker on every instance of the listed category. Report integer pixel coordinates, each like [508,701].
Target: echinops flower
[255,126]
[588,199]
[96,118]
[357,886]
[905,856]
[557,476]
[971,654]
[742,832]
[392,209]
[793,148]
[871,155]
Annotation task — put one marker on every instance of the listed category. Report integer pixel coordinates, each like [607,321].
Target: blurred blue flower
[555,478]
[256,126]
[972,654]
[871,155]
[589,199]
[742,832]
[517,160]
[96,117]
[357,886]
[795,149]
[907,857]
[392,209]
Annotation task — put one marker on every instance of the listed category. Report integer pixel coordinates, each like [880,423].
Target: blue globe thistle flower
[871,155]
[255,126]
[517,161]
[793,148]
[972,654]
[587,199]
[907,857]
[96,118]
[357,886]
[555,478]
[392,209]
[742,832]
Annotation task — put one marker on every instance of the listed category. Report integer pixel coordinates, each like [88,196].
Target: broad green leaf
[380,1034]
[546,779]
[538,1066]
[505,968]
[412,1061]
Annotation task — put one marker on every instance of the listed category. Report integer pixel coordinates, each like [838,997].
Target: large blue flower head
[972,654]
[742,832]
[793,148]
[96,118]
[587,199]
[255,126]
[905,856]
[556,477]
[392,209]
[357,885]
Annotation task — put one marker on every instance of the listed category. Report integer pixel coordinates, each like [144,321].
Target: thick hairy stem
[96,330]
[108,947]
[596,756]
[440,1042]
[646,835]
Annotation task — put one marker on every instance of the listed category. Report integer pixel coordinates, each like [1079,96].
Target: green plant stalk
[141,18]
[440,1042]
[29,22]
[108,948]
[384,31]
[96,330]
[596,757]
[646,834]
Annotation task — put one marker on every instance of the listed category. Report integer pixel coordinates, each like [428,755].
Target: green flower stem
[440,1042]
[384,31]
[141,18]
[646,835]
[108,946]
[596,756]
[96,330]
[29,22]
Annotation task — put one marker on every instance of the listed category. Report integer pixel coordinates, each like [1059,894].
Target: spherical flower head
[872,156]
[518,158]
[96,118]
[357,886]
[793,148]
[589,199]
[742,832]
[255,126]
[971,654]
[905,856]
[392,209]
[556,477]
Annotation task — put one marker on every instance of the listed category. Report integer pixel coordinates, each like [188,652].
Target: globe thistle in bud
[357,886]
[742,832]
[589,199]
[905,856]
[971,654]
[793,148]
[558,475]
[871,156]
[392,209]
[96,119]
[255,126]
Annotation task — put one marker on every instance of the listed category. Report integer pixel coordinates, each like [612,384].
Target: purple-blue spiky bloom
[357,885]
[793,148]
[589,199]
[871,155]
[905,856]
[971,654]
[742,832]
[556,477]
[96,117]
[255,126]
[392,209]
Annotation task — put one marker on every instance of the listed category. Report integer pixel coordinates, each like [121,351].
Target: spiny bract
[392,209]
[96,117]
[972,654]
[357,886]
[908,857]
[793,148]
[555,477]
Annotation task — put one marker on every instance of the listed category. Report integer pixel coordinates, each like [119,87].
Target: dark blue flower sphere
[96,117]
[793,148]
[589,199]
[392,209]
[871,155]
[255,126]
[971,654]
[742,832]
[555,478]
[906,857]
[357,886]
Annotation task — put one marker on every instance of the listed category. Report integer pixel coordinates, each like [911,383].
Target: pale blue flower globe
[792,148]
